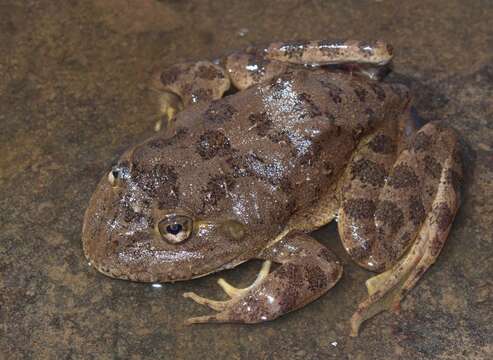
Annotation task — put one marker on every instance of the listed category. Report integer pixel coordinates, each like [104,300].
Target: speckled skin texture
[75,97]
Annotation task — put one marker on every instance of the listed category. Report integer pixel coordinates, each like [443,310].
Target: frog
[260,148]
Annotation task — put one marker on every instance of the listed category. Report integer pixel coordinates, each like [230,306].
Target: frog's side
[246,176]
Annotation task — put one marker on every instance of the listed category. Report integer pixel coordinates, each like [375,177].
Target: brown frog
[294,144]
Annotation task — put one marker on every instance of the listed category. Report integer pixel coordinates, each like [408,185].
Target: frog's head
[146,222]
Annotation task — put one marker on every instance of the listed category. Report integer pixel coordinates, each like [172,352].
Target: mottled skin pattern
[247,175]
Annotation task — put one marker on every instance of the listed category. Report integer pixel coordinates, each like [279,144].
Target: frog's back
[269,151]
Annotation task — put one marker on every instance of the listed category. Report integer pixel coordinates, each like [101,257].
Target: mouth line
[146,277]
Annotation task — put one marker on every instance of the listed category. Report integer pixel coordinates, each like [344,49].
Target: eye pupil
[115,173]
[174,228]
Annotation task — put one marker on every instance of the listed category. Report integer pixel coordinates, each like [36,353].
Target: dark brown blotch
[218,187]
[279,136]
[158,182]
[149,179]
[422,141]
[277,89]
[437,244]
[403,176]
[165,179]
[389,215]
[307,102]
[316,278]
[334,91]
[432,167]
[288,298]
[220,111]
[130,215]
[212,143]
[170,76]
[382,144]
[359,209]
[311,154]
[454,178]
[290,274]
[368,172]
[361,93]
[389,251]
[402,242]
[327,168]
[186,89]
[261,122]
[416,210]
[444,216]
[209,72]
[237,165]
[379,91]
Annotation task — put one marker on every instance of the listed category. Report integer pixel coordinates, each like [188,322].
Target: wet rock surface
[74,95]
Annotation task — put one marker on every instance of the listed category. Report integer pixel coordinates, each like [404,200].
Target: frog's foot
[169,105]
[387,289]
[188,83]
[307,270]
[233,292]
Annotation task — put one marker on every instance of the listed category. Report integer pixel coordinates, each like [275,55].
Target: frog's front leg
[188,83]
[307,270]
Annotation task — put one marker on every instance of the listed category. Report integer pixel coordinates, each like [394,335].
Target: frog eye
[175,228]
[117,175]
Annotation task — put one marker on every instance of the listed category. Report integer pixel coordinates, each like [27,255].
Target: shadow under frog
[249,175]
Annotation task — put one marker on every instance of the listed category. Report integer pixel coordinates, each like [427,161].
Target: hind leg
[400,226]
[256,65]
